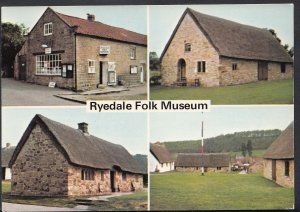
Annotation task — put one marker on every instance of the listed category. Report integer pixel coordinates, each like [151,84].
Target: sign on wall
[133,69]
[104,50]
[47,50]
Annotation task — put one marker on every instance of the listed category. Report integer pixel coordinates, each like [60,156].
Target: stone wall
[281,179]
[199,169]
[62,39]
[201,50]
[126,186]
[88,48]
[40,168]
[274,71]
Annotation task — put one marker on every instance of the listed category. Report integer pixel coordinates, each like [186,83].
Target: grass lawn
[266,92]
[136,201]
[217,191]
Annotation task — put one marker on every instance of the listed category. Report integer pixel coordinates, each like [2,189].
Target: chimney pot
[90,17]
[83,127]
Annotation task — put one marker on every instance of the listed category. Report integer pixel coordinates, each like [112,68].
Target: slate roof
[6,154]
[283,146]
[82,149]
[101,30]
[211,160]
[160,152]
[237,40]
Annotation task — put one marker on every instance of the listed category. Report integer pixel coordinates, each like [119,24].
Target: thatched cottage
[212,162]
[81,54]
[279,159]
[53,159]
[160,158]
[6,154]
[216,52]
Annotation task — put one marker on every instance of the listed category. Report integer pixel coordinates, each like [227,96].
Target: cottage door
[181,69]
[274,170]
[112,181]
[142,74]
[22,67]
[101,73]
[262,70]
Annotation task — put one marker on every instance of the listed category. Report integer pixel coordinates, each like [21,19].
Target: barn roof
[212,160]
[82,149]
[161,153]
[237,40]
[6,154]
[101,30]
[283,146]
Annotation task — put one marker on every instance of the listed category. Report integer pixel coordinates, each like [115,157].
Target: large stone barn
[212,51]
[53,159]
[6,154]
[160,158]
[279,159]
[81,54]
[212,162]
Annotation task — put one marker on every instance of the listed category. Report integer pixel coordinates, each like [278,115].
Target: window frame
[234,66]
[283,68]
[202,67]
[87,174]
[124,176]
[187,47]
[132,52]
[91,69]
[287,168]
[102,175]
[55,62]
[47,28]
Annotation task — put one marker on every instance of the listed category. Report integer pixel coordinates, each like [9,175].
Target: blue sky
[133,18]
[279,17]
[220,120]
[127,129]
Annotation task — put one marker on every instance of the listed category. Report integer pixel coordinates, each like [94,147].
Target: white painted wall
[7,174]
[155,165]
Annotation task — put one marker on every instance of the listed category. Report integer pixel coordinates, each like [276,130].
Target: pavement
[18,93]
[7,207]
[105,197]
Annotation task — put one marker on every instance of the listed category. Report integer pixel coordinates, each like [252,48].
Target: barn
[53,159]
[6,154]
[212,162]
[160,158]
[81,54]
[210,51]
[279,159]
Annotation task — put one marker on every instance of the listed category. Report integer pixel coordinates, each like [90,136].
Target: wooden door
[101,73]
[262,71]
[112,181]
[274,170]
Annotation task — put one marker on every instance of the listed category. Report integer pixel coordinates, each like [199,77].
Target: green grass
[217,191]
[5,186]
[266,92]
[256,153]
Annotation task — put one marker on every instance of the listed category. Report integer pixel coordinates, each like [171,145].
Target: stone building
[212,162]
[6,154]
[81,54]
[53,159]
[160,158]
[211,51]
[279,159]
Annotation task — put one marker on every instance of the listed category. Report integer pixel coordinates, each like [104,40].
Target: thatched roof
[161,153]
[236,40]
[82,149]
[211,160]
[283,146]
[6,154]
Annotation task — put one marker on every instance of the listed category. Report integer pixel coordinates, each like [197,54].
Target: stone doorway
[181,70]
[112,181]
[262,70]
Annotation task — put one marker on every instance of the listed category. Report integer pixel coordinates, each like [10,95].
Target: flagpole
[202,149]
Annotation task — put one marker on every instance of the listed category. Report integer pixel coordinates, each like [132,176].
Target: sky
[133,18]
[163,19]
[127,129]
[220,120]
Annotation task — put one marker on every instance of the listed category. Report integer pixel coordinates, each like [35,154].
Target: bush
[155,80]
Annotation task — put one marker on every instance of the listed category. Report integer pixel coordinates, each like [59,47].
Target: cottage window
[102,175]
[286,168]
[282,67]
[218,168]
[91,66]
[234,66]
[201,66]
[133,52]
[87,174]
[187,47]
[48,64]
[136,178]
[48,29]
[124,176]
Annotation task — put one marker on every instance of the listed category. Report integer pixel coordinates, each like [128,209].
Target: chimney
[7,144]
[90,17]
[83,127]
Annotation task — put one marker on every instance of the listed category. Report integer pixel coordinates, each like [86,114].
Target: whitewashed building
[6,154]
[160,158]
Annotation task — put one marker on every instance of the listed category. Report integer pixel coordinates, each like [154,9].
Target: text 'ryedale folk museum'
[81,54]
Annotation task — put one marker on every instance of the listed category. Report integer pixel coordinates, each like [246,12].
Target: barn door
[22,67]
[262,70]
[274,170]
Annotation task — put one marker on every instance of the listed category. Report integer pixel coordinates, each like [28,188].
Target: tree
[154,61]
[249,147]
[285,46]
[13,38]
[244,150]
